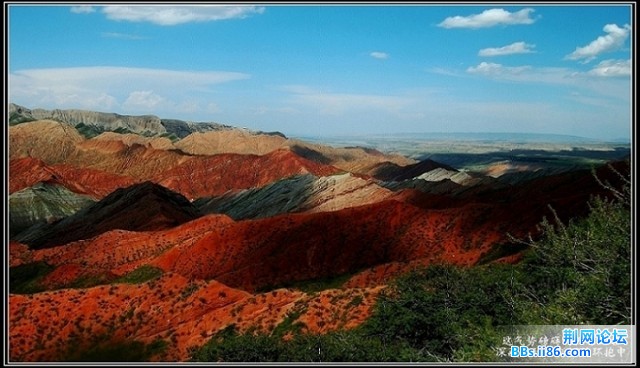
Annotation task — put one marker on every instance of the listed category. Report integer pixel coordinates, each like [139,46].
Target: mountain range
[137,228]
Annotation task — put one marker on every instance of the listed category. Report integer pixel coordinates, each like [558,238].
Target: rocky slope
[141,207]
[392,172]
[192,176]
[43,202]
[172,311]
[302,193]
[27,171]
[264,253]
[98,122]
[203,176]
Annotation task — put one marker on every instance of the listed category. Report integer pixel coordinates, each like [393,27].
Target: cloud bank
[496,69]
[514,48]
[379,55]
[612,68]
[174,15]
[489,18]
[131,90]
[83,9]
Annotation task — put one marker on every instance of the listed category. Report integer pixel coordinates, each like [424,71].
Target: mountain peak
[144,206]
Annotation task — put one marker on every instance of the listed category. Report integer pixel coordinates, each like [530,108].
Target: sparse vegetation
[91,280]
[16,118]
[140,275]
[172,137]
[576,273]
[89,131]
[188,290]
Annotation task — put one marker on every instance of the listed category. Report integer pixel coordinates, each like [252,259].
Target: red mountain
[205,176]
[27,171]
[262,253]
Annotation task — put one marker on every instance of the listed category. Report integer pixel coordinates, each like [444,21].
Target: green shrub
[139,275]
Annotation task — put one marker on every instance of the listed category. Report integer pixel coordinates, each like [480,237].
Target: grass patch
[139,275]
[289,323]
[87,281]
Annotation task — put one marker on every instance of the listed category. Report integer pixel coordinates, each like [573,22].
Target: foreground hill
[257,254]
[265,253]
[170,315]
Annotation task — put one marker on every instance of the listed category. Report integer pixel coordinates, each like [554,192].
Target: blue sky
[333,70]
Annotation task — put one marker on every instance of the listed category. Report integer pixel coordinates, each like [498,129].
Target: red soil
[25,172]
[214,175]
[261,253]
[98,167]
[49,326]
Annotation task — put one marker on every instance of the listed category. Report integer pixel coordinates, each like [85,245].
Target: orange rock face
[27,171]
[205,176]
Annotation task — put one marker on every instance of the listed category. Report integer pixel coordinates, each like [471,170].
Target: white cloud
[109,88]
[614,88]
[123,36]
[612,68]
[612,41]
[496,69]
[143,100]
[82,9]
[444,71]
[489,18]
[379,55]
[173,15]
[514,48]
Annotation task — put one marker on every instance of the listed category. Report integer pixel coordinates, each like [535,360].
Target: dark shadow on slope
[311,154]
[283,196]
[140,207]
